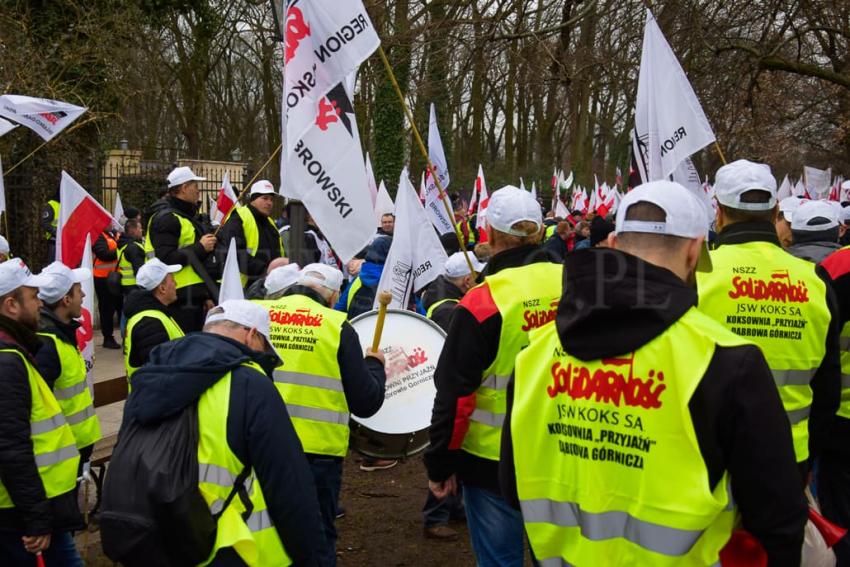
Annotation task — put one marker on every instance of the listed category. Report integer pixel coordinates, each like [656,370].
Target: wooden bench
[105,393]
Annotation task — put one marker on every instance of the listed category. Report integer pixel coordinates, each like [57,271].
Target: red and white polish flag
[80,216]
[226,199]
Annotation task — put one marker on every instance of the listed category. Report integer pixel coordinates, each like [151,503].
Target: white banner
[669,121]
[6,126]
[383,203]
[43,116]
[416,256]
[817,181]
[442,220]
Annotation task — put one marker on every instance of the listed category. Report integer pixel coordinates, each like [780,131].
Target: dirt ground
[382,525]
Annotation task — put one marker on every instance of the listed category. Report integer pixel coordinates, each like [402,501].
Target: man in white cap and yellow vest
[324,377]
[781,303]
[38,451]
[149,323]
[489,327]
[243,424]
[257,238]
[640,428]
[59,360]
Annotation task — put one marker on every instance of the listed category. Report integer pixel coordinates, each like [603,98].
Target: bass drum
[411,345]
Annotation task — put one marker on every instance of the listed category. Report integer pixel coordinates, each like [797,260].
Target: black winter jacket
[259,430]
[740,425]
[438,290]
[33,513]
[148,333]
[267,250]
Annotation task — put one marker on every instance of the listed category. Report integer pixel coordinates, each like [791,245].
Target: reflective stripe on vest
[171,327]
[527,298]
[352,291]
[53,443]
[188,236]
[125,267]
[429,314]
[762,293]
[72,393]
[635,512]
[252,234]
[310,380]
[103,267]
[254,539]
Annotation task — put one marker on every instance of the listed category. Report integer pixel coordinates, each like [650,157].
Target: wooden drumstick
[384,298]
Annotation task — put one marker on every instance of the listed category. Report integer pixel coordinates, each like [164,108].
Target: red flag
[79,216]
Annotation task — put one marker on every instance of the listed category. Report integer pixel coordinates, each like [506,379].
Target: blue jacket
[370,276]
[259,430]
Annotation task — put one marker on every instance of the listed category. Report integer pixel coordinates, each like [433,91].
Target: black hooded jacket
[148,333]
[259,430]
[607,310]
[33,514]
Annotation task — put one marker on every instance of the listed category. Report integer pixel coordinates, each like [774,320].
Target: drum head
[411,344]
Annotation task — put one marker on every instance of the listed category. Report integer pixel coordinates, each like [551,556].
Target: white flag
[383,203]
[568,182]
[784,189]
[416,256]
[561,210]
[816,181]
[231,282]
[522,184]
[85,332]
[118,210]
[43,116]
[686,174]
[483,199]
[2,192]
[534,190]
[669,121]
[6,126]
[442,220]
[225,201]
[370,179]
[214,214]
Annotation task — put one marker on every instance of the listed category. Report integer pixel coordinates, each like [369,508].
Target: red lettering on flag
[296,30]
[329,112]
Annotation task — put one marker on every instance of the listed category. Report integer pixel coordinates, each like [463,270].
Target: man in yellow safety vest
[640,427]
[38,452]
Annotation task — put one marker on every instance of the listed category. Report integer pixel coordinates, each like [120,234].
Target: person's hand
[277,263]
[442,489]
[376,354]
[208,304]
[208,242]
[34,544]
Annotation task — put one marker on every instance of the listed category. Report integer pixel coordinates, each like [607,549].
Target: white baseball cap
[788,205]
[457,266]
[262,187]
[811,210]
[181,175]
[282,277]
[59,281]
[4,245]
[323,275]
[153,272]
[510,205]
[684,214]
[734,179]
[14,274]
[245,313]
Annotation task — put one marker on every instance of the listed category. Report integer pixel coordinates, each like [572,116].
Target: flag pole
[719,152]
[246,186]
[32,153]
[421,144]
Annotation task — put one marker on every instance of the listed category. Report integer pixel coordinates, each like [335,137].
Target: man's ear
[612,240]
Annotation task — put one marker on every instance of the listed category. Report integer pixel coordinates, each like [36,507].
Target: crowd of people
[628,389]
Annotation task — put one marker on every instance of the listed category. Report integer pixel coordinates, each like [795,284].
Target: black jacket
[268,247]
[164,235]
[837,267]
[259,430]
[33,513]
[740,425]
[134,253]
[148,333]
[470,347]
[47,359]
[363,379]
[826,383]
[438,290]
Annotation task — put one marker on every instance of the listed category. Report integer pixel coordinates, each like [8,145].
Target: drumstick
[384,299]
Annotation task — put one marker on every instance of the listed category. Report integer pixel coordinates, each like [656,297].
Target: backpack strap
[238,488]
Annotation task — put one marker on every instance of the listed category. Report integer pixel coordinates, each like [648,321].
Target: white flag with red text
[483,199]
[80,216]
[416,256]
[669,121]
[43,116]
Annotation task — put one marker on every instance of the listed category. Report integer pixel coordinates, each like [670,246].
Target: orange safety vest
[102,268]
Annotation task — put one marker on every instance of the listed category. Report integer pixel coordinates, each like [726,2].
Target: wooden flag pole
[421,144]
[719,152]
[32,153]
[246,186]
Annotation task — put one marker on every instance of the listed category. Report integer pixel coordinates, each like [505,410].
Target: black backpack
[153,512]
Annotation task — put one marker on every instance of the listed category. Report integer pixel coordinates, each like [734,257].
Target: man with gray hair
[325,377]
[814,230]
